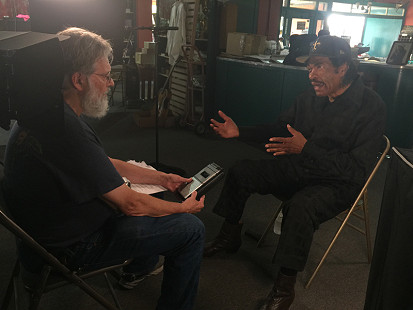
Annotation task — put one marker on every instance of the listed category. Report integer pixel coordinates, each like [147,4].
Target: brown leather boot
[282,294]
[228,239]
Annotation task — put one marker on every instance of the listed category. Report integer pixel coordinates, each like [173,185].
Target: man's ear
[78,81]
[343,69]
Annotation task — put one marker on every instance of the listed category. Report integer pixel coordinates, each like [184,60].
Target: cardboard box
[147,51]
[240,44]
[149,45]
[228,22]
[144,59]
[261,45]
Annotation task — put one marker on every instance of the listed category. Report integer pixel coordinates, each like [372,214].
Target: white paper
[145,188]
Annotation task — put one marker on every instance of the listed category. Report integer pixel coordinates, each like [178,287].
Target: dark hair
[351,73]
[323,32]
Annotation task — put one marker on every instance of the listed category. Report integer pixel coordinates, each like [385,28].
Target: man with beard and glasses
[325,145]
[70,196]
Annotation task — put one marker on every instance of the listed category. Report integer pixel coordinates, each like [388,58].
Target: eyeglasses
[107,76]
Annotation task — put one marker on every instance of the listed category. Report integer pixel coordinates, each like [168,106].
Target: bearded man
[71,198]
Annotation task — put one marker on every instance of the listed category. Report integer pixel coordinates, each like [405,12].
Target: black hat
[328,46]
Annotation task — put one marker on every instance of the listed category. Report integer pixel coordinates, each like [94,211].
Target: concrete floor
[239,281]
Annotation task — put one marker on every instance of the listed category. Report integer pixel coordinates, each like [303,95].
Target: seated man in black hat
[299,46]
[324,147]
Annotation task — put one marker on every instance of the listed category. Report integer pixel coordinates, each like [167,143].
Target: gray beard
[93,105]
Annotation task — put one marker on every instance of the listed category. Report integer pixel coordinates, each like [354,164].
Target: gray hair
[83,49]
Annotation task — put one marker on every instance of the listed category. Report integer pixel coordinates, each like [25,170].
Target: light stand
[155,30]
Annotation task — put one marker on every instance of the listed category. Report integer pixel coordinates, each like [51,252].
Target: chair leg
[15,288]
[90,291]
[12,288]
[329,248]
[367,226]
[112,291]
[269,226]
[36,295]
[261,238]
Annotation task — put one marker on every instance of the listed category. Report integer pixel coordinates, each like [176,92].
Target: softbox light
[31,76]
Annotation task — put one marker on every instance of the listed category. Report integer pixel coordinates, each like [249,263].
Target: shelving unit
[179,103]
[123,70]
[129,38]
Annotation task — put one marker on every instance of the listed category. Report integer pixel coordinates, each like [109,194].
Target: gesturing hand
[227,129]
[290,145]
[191,205]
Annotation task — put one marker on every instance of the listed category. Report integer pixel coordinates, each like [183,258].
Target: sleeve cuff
[312,151]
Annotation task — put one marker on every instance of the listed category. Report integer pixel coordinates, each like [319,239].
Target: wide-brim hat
[328,46]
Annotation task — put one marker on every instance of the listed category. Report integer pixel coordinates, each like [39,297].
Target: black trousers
[307,204]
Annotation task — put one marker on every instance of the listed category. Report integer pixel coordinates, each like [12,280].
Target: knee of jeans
[194,226]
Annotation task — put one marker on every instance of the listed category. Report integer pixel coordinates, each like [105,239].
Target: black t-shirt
[54,182]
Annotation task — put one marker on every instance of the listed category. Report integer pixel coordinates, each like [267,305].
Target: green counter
[255,93]
[395,85]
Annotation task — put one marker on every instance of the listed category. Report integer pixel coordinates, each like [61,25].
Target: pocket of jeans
[85,252]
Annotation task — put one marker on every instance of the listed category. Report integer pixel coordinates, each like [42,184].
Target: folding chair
[360,204]
[44,282]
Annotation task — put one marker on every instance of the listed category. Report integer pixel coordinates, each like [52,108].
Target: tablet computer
[202,181]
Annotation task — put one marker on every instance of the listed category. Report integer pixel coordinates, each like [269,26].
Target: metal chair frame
[359,204]
[52,264]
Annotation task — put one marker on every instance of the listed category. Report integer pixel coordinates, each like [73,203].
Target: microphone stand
[156,30]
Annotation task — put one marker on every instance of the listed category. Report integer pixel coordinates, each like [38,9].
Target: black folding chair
[52,266]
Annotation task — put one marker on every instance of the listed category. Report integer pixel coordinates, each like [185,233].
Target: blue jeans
[179,238]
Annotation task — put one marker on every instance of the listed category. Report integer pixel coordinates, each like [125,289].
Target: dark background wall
[105,17]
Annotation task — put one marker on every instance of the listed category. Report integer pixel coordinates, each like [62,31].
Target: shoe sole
[222,251]
[133,284]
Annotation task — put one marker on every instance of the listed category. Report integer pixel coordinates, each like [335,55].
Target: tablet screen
[189,188]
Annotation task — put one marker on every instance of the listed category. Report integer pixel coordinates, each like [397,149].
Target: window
[303,4]
[345,19]
[153,6]
[378,10]
[341,7]
[360,9]
[347,27]
[322,6]
[299,26]
[320,25]
[281,26]
[395,12]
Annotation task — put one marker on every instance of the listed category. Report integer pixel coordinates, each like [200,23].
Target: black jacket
[343,137]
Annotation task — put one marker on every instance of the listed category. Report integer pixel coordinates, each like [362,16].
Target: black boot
[228,239]
[282,295]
